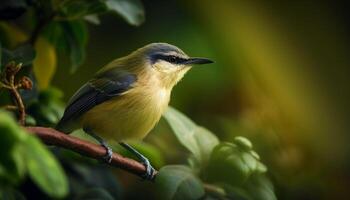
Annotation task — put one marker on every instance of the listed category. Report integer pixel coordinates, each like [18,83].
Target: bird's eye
[172,59]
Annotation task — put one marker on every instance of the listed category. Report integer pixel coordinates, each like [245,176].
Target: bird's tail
[64,126]
[60,126]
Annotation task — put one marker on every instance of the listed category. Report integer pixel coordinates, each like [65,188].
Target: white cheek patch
[166,67]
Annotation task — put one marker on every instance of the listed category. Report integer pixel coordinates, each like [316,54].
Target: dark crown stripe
[169,58]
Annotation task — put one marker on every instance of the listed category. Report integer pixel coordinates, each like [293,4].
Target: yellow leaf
[44,64]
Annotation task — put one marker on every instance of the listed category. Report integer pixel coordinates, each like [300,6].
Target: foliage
[233,168]
[196,139]
[179,182]
[27,155]
[47,108]
[215,169]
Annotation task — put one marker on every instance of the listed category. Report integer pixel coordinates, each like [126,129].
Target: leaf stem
[20,105]
[9,82]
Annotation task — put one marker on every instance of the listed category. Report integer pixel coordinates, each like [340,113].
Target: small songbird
[127,97]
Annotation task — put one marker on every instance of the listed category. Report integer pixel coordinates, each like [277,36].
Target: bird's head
[168,62]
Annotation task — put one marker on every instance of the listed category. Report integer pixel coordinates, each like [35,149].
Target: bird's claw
[149,175]
[109,153]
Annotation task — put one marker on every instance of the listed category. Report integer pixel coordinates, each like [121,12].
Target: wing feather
[93,93]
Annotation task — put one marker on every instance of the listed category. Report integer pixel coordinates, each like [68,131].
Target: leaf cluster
[24,155]
[215,170]
[58,27]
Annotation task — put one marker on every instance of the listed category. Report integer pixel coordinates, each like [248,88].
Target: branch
[20,105]
[53,137]
[10,83]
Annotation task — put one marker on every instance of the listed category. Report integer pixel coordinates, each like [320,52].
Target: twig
[12,85]
[9,107]
[53,137]
[4,85]
[20,105]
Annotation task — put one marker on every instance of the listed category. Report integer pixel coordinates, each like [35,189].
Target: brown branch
[20,105]
[53,137]
[9,82]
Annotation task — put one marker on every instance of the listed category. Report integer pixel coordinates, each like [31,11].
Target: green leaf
[10,131]
[80,177]
[75,37]
[226,165]
[206,141]
[30,121]
[48,108]
[258,187]
[234,192]
[178,182]
[80,8]
[243,143]
[51,94]
[43,114]
[94,194]
[12,167]
[24,152]
[233,164]
[70,38]
[198,140]
[131,10]
[44,169]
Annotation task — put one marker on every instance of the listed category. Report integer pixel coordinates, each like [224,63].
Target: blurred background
[280,78]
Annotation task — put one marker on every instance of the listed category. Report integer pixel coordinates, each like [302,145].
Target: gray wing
[94,92]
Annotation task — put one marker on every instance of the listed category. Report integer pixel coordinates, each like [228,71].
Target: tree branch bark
[53,137]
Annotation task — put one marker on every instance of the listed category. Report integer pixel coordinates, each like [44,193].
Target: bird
[126,98]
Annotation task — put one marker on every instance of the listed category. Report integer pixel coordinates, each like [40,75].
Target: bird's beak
[199,61]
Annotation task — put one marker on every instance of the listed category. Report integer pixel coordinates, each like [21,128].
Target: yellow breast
[129,116]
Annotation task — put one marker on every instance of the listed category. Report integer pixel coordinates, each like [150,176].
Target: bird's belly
[130,116]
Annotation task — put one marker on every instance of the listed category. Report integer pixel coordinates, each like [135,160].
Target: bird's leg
[109,153]
[149,169]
